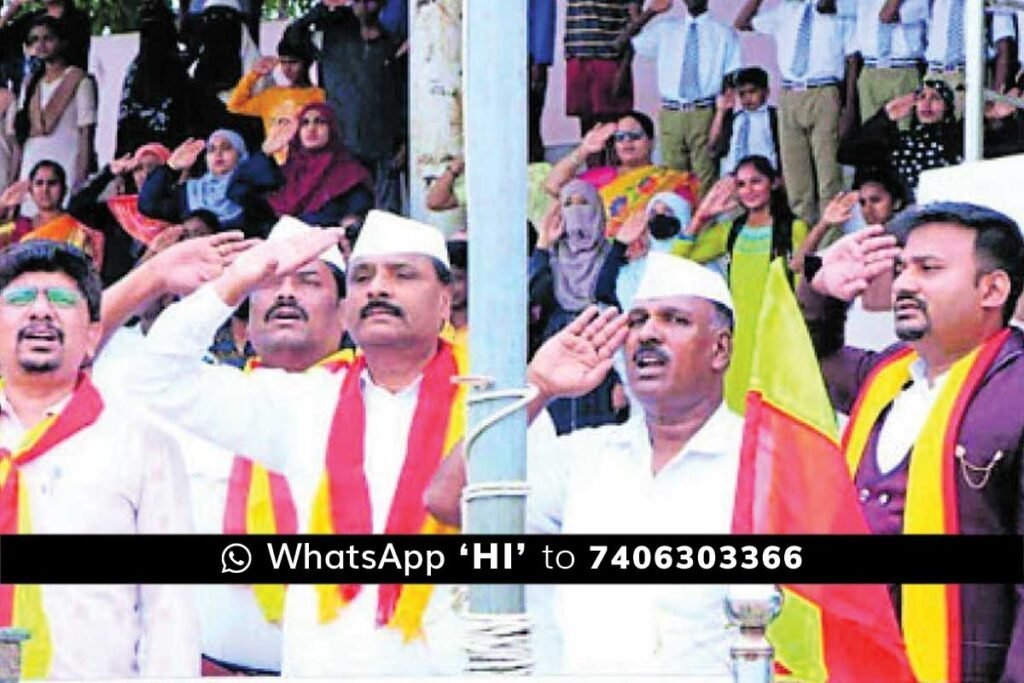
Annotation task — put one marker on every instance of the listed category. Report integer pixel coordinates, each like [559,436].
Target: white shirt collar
[919,375]
[7,410]
[763,109]
[715,437]
[366,383]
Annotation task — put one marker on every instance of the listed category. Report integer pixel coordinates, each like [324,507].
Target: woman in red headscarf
[323,183]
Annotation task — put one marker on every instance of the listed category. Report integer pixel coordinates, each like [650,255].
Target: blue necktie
[743,137]
[885,44]
[689,86]
[955,33]
[802,58]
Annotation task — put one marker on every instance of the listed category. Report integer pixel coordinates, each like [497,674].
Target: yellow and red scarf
[22,606]
[930,613]
[260,502]
[342,502]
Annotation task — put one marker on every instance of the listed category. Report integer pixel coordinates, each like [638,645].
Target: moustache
[917,301]
[286,305]
[386,307]
[650,352]
[41,329]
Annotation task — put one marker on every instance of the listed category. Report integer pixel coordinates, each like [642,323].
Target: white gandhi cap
[666,275]
[288,227]
[385,234]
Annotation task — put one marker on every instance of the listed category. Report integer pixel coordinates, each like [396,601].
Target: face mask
[663,227]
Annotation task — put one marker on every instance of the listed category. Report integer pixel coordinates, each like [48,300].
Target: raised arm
[746,15]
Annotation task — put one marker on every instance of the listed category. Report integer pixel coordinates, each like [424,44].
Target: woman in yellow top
[765,229]
[295,57]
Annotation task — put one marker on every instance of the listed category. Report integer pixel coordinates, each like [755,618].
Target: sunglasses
[624,135]
[61,297]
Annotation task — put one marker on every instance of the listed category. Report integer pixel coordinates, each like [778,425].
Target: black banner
[511,559]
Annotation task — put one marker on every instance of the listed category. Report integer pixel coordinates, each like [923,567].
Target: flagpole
[495,92]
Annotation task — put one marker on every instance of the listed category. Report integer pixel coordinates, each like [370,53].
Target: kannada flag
[793,480]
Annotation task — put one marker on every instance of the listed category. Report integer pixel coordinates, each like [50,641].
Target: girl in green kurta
[764,230]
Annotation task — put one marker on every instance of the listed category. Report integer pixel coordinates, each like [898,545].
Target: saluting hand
[577,359]
[851,263]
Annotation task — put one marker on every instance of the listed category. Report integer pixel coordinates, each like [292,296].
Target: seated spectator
[448,190]
[224,53]
[322,182]
[631,139]
[628,182]
[765,229]
[14,27]
[109,203]
[295,57]
[571,248]
[655,230]
[753,129]
[157,98]
[228,189]
[934,139]
[46,188]
[57,113]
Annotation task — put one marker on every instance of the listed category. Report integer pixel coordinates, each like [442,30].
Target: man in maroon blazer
[959,270]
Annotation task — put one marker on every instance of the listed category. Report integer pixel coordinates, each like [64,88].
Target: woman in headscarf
[564,267]
[157,98]
[228,189]
[933,139]
[656,229]
[323,183]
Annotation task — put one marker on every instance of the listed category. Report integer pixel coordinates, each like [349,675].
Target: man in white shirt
[694,56]
[74,462]
[890,37]
[671,469]
[811,37]
[302,423]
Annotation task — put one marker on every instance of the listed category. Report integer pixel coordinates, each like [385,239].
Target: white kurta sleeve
[251,413]
[169,642]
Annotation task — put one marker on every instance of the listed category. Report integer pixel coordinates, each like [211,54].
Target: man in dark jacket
[935,437]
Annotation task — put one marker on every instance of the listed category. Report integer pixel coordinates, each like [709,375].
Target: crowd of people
[231,327]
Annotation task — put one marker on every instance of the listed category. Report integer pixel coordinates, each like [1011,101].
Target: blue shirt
[541,31]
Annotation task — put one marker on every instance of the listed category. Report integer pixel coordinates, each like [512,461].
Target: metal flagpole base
[10,653]
[752,608]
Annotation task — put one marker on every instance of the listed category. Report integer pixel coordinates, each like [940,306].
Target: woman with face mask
[655,229]
[764,230]
[564,267]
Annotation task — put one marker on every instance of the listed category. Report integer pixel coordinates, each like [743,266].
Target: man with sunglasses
[74,462]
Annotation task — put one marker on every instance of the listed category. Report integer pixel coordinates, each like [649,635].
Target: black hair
[339,279]
[58,171]
[998,244]
[52,23]
[888,179]
[458,253]
[296,45]
[206,216]
[751,75]
[48,256]
[444,273]
[643,119]
[778,206]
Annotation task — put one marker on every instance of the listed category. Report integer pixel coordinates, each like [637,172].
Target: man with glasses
[72,462]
